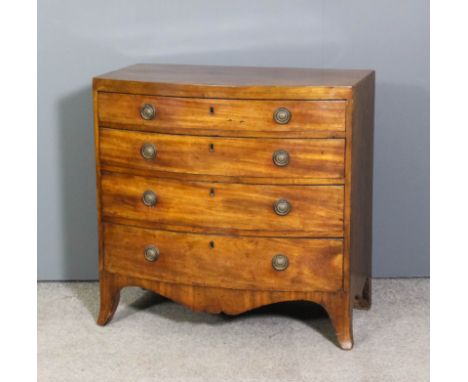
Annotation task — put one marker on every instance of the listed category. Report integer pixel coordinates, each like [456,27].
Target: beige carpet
[153,339]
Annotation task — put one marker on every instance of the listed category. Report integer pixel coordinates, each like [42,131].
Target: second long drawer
[235,157]
[234,208]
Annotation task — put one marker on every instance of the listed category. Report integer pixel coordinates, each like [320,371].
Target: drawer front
[190,114]
[235,208]
[225,261]
[236,157]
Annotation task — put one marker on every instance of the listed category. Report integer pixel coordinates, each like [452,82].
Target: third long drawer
[256,210]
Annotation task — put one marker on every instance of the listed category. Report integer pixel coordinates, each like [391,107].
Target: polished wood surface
[216,184]
[231,82]
[225,300]
[361,197]
[225,261]
[225,208]
[222,178]
[234,157]
[237,76]
[192,114]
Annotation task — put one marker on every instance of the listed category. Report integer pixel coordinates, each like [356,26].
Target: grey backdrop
[80,39]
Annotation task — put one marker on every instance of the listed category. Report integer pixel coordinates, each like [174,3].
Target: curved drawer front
[237,116]
[236,157]
[225,261]
[224,207]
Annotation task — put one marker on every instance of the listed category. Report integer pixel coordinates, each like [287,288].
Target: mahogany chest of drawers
[228,188]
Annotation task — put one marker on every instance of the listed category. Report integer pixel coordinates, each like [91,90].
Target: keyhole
[211,110]
[211,147]
[211,244]
[212,192]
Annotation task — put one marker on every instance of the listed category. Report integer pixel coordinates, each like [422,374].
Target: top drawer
[223,117]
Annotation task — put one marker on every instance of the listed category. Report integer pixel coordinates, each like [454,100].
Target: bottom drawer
[225,261]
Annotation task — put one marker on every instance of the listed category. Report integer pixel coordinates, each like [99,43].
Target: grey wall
[80,39]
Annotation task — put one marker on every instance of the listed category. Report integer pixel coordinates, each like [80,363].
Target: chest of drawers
[226,189]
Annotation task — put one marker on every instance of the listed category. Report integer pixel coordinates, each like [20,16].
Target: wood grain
[191,114]
[214,221]
[231,82]
[228,301]
[222,178]
[98,180]
[229,208]
[231,157]
[225,261]
[361,193]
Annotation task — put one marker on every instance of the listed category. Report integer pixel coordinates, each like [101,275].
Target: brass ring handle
[147,111]
[281,158]
[151,253]
[282,207]
[280,262]
[282,116]
[149,198]
[148,151]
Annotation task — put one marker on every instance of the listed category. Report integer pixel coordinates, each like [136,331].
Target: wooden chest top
[231,82]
